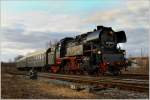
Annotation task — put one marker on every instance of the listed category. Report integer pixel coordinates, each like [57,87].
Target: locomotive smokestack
[100,27]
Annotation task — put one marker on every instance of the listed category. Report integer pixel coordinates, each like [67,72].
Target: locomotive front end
[112,57]
[113,62]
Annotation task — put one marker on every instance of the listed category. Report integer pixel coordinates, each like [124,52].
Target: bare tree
[55,42]
[10,60]
[51,43]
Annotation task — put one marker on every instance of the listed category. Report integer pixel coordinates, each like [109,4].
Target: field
[139,66]
[21,87]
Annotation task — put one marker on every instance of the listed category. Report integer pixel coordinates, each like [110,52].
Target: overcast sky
[27,25]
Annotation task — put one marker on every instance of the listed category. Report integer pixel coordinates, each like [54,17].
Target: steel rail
[140,85]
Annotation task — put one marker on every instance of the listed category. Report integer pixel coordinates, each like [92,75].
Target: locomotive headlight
[110,33]
[99,52]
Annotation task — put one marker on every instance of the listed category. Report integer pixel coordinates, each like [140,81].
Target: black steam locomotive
[92,53]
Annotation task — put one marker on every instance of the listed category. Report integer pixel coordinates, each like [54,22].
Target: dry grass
[65,92]
[142,66]
[17,87]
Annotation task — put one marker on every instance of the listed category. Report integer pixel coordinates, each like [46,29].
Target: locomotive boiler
[92,53]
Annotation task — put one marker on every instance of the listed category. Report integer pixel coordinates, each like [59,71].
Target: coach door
[51,56]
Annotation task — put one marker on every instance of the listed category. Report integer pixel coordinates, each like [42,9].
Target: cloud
[43,21]
[137,39]
[28,31]
[22,36]
[133,18]
[32,30]
[16,41]
[131,15]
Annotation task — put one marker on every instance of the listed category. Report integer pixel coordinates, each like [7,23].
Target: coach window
[41,57]
[44,56]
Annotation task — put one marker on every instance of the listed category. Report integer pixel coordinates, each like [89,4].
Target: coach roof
[36,53]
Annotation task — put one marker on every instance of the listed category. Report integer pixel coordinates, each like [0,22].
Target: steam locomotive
[92,53]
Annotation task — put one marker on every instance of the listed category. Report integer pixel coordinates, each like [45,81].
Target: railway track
[128,84]
[140,85]
[122,76]
[135,76]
